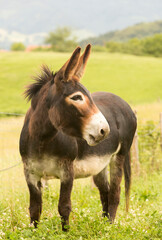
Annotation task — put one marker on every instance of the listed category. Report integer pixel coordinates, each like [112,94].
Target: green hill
[140,30]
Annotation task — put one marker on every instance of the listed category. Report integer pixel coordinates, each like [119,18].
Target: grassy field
[136,79]
[142,222]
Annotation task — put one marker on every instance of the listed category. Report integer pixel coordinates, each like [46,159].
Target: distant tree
[153,45]
[61,39]
[146,46]
[17,46]
[113,46]
[133,46]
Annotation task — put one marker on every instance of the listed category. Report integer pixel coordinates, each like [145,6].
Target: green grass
[136,79]
[86,222]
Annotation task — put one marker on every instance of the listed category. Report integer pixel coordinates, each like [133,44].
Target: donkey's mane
[46,75]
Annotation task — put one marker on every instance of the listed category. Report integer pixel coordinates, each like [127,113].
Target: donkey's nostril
[102,132]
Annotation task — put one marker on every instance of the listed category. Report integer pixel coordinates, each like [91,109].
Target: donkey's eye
[77,98]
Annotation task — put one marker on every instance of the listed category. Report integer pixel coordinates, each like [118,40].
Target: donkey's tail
[127,177]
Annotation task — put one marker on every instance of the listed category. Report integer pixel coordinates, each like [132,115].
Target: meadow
[136,79]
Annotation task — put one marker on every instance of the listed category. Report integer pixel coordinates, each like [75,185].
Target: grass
[136,79]
[86,222]
[142,221]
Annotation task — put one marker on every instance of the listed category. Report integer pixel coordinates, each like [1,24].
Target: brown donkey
[69,133]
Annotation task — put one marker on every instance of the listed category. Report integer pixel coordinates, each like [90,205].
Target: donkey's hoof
[65,228]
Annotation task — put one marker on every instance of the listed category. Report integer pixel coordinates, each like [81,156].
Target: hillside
[136,79]
[140,30]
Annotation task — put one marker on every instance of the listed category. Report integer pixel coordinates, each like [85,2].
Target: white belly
[48,168]
[90,166]
[53,168]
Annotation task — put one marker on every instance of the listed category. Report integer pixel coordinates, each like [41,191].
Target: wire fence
[11,114]
[8,168]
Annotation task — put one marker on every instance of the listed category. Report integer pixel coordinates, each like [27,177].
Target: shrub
[153,45]
[149,146]
[114,46]
[18,46]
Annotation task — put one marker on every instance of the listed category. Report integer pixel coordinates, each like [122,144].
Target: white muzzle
[96,130]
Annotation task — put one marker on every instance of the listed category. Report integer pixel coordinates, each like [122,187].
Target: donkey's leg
[116,168]
[35,207]
[101,182]
[64,206]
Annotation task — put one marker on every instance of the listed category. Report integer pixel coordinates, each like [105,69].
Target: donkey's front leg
[64,206]
[35,207]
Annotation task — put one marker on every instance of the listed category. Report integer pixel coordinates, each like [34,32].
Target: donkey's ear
[83,62]
[72,64]
[69,68]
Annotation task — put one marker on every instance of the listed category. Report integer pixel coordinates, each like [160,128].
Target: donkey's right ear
[83,62]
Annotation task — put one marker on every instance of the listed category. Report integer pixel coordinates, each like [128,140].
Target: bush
[153,45]
[133,46]
[149,146]
[18,46]
[114,46]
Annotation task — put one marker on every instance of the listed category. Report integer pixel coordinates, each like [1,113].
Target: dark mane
[45,76]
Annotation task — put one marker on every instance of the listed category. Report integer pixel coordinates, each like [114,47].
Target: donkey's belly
[91,165]
[47,168]
[52,167]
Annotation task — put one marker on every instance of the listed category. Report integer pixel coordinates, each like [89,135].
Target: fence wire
[11,114]
[6,169]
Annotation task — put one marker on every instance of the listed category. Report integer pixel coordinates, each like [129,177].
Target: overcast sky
[97,16]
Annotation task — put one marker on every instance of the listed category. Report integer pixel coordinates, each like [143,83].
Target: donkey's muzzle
[96,130]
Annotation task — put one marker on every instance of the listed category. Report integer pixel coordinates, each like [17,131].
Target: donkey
[69,133]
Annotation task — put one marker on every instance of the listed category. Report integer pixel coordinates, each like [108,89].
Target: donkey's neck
[40,125]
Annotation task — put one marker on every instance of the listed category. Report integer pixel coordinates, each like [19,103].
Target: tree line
[146,46]
[62,40]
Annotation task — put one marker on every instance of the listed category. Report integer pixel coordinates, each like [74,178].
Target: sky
[95,16]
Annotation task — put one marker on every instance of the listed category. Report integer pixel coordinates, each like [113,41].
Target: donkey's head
[71,108]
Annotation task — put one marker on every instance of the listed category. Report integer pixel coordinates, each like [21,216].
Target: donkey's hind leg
[101,181]
[35,208]
[116,168]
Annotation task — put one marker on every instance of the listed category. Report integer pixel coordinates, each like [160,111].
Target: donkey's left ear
[72,64]
[83,62]
[69,68]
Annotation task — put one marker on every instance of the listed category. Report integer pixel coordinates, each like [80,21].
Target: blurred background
[99,22]
[126,59]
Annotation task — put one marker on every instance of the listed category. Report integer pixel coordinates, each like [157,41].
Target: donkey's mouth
[92,141]
[96,129]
